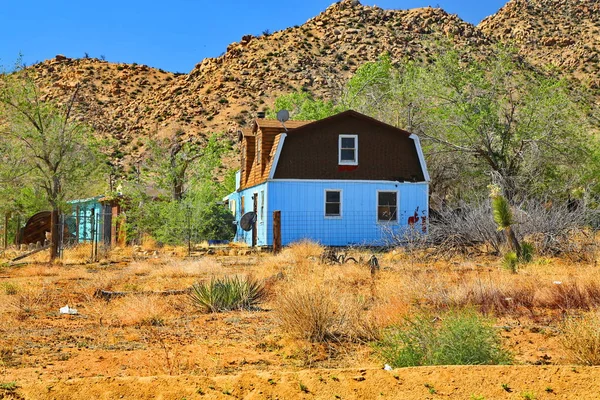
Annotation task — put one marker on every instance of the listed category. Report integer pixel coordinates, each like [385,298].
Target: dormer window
[348,150]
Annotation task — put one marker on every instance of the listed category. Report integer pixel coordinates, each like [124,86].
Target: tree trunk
[512,240]
[54,234]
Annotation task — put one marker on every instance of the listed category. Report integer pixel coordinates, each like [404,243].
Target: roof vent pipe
[260,114]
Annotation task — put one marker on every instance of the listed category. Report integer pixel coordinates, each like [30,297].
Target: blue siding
[262,223]
[90,219]
[302,206]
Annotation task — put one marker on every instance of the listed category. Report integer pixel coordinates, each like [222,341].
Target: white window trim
[325,204]
[388,222]
[261,205]
[343,136]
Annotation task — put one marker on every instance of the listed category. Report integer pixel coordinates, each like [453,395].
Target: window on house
[348,150]
[387,206]
[333,203]
[232,207]
[242,205]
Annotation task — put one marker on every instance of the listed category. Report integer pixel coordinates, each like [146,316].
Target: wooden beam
[276,231]
[22,256]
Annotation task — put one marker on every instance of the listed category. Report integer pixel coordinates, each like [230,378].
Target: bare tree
[54,152]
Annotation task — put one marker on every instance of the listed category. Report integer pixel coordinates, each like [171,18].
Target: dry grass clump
[304,251]
[320,313]
[30,301]
[76,255]
[581,339]
[573,294]
[497,296]
[137,311]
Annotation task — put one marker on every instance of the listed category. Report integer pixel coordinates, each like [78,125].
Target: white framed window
[387,206]
[232,207]
[333,203]
[348,150]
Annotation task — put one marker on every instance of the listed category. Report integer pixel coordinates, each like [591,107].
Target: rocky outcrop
[564,34]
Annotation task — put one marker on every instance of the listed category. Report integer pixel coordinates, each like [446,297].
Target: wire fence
[351,228]
[90,230]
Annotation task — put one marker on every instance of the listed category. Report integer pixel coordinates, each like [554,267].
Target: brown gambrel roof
[266,134]
[345,114]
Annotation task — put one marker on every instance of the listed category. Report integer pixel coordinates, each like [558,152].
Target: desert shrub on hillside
[457,338]
[228,293]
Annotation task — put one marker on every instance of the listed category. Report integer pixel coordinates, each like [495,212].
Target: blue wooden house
[344,180]
[94,219]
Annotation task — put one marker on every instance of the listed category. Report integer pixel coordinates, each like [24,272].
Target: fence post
[77,224]
[54,233]
[92,233]
[6,218]
[276,231]
[18,231]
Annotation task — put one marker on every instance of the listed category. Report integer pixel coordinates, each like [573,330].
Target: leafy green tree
[495,118]
[174,197]
[303,106]
[49,149]
[177,162]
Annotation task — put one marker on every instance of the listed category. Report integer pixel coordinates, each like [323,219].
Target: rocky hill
[560,33]
[129,102]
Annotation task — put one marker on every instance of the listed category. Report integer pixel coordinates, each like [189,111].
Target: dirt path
[456,382]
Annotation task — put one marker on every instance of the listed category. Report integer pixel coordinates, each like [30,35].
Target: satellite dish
[283,115]
[248,220]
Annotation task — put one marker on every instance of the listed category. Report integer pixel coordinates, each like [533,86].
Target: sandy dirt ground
[147,346]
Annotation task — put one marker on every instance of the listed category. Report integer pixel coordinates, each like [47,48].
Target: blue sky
[172,35]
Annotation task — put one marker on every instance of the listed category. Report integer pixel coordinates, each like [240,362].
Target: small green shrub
[9,288]
[527,252]
[8,386]
[458,338]
[510,261]
[228,294]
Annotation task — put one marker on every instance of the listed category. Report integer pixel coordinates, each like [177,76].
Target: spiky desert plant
[510,261]
[228,293]
[503,217]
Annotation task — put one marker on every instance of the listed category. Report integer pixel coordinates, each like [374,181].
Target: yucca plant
[228,293]
[510,261]
[503,217]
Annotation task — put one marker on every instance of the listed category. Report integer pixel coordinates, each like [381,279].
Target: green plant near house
[503,217]
[457,338]
[228,293]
